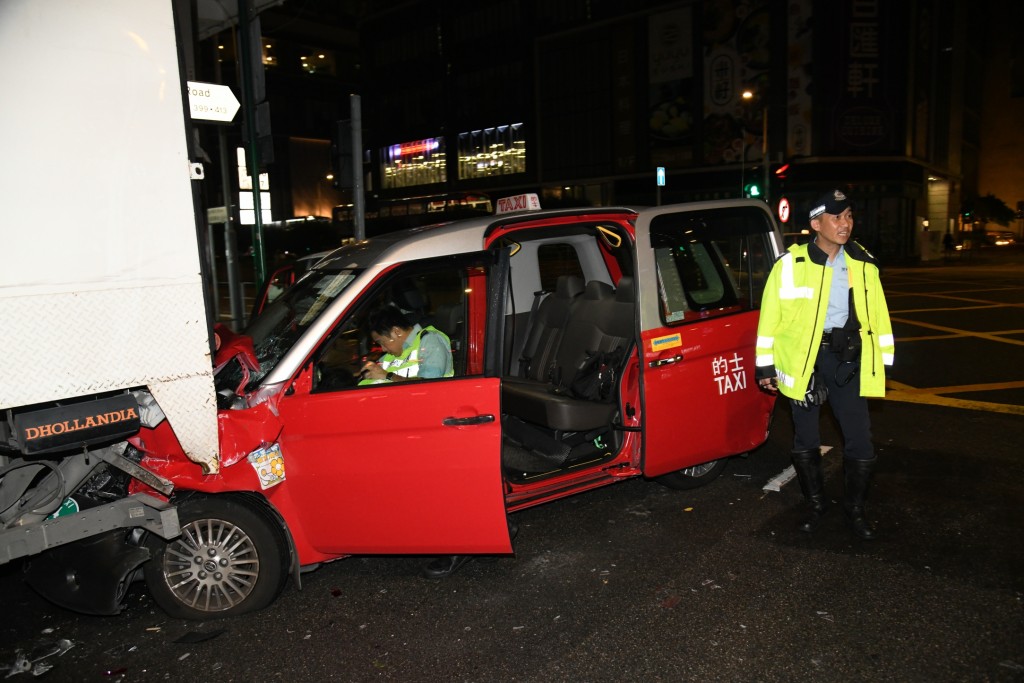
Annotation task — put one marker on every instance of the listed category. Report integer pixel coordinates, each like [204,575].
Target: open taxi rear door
[701,272]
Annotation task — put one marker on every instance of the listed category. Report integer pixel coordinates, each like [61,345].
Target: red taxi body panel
[384,460]
[700,395]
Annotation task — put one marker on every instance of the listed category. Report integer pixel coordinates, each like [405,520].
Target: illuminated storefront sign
[492,151]
[483,153]
[408,149]
[418,162]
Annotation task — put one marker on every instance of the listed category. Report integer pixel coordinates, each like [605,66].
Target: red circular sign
[784,210]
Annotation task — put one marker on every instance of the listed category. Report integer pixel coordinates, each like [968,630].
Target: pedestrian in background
[824,335]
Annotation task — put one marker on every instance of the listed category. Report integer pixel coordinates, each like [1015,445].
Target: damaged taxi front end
[236,549]
[89,487]
[248,421]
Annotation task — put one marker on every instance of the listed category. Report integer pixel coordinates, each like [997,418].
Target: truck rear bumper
[138,510]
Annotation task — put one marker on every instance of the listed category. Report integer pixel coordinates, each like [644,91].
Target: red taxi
[316,467]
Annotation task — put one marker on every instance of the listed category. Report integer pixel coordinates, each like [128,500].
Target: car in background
[1000,238]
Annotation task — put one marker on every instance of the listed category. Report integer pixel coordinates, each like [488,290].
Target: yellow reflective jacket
[793,318]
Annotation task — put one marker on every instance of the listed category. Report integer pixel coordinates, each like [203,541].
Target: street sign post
[211,102]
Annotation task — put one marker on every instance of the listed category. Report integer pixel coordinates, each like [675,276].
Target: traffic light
[753,190]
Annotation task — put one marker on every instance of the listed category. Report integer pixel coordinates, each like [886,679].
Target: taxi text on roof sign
[519,202]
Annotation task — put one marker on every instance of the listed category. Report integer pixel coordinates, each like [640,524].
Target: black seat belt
[524,362]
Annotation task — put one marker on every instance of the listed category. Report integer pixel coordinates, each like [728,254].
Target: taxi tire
[693,477]
[228,539]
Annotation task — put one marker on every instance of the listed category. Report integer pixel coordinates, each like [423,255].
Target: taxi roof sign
[520,202]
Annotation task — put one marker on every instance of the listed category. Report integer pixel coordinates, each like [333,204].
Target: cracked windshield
[284,321]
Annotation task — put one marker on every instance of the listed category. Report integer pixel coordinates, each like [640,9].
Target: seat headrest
[624,292]
[408,298]
[598,291]
[568,287]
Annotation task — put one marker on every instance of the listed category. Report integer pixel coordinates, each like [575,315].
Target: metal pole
[743,163]
[230,244]
[764,154]
[249,112]
[358,199]
[211,256]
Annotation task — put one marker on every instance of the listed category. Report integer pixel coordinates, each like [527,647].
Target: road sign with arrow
[211,102]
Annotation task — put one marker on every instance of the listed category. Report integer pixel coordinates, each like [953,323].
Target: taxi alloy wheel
[693,477]
[230,559]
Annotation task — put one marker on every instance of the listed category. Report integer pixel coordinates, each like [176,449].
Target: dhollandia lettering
[78,424]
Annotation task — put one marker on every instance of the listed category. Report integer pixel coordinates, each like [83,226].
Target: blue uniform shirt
[435,356]
[839,294]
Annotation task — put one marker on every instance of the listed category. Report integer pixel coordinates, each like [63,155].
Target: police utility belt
[844,343]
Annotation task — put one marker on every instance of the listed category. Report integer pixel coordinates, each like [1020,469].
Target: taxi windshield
[282,323]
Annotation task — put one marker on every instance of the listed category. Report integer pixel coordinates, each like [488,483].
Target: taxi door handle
[462,421]
[665,361]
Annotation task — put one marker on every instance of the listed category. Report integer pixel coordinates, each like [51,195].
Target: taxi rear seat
[546,331]
[601,320]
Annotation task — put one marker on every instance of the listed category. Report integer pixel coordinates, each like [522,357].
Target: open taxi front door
[701,272]
[402,466]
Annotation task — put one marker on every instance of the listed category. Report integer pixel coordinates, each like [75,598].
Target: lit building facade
[582,100]
[860,93]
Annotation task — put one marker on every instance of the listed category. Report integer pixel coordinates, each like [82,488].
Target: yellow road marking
[904,393]
[971,293]
[953,335]
[957,389]
[929,399]
[948,308]
[953,330]
[930,337]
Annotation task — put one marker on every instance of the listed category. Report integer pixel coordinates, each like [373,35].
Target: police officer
[824,334]
[410,351]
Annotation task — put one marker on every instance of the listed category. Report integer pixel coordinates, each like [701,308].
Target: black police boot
[858,478]
[812,483]
[444,566]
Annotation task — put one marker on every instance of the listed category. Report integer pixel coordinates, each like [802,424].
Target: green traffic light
[752,190]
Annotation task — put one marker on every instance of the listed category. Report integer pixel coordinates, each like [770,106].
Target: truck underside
[64,501]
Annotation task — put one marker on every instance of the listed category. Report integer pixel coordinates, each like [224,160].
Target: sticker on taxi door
[669,341]
[269,465]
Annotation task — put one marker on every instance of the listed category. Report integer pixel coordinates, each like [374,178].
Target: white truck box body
[100,283]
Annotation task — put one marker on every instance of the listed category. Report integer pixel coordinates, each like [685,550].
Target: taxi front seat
[450,319]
